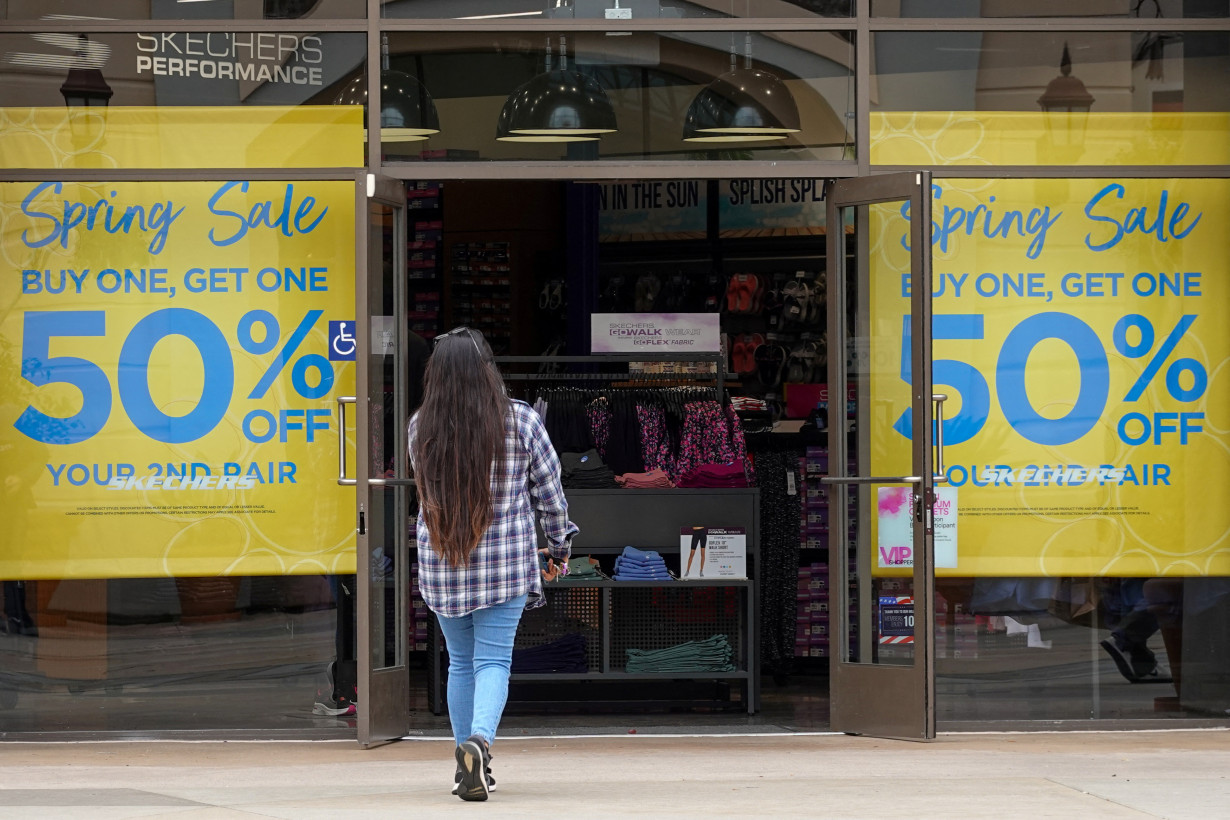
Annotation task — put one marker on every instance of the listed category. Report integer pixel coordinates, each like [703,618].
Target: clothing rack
[616,615]
[608,361]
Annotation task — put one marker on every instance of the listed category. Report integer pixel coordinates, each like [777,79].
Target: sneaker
[1122,662]
[329,706]
[490,780]
[332,699]
[472,762]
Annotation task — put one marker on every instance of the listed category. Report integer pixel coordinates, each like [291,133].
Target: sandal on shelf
[819,361]
[751,343]
[758,292]
[647,289]
[770,361]
[798,366]
[738,354]
[795,295]
[733,286]
[610,300]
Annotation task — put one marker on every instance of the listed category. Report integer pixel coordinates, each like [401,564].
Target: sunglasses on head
[469,335]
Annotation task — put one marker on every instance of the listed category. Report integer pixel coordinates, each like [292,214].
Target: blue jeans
[480,649]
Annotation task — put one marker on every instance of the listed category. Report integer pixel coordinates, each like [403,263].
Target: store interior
[527,262]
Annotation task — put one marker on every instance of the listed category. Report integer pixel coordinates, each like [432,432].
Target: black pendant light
[558,105]
[407,111]
[743,105]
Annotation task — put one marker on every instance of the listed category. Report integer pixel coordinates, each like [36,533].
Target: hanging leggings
[779,554]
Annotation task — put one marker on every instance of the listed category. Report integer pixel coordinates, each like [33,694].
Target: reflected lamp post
[1065,104]
[84,87]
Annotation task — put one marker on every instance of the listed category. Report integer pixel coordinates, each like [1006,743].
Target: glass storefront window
[1077,334]
[111,100]
[172,522]
[211,68]
[646,96]
[1115,9]
[486,10]
[33,10]
[1050,98]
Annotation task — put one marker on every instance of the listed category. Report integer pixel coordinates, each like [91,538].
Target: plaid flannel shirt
[505,562]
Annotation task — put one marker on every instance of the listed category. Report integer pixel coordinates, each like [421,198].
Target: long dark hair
[459,436]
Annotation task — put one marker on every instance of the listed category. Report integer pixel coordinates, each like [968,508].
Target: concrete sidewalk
[1171,774]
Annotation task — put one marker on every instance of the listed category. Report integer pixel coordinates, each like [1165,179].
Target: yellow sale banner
[1079,331]
[170,356]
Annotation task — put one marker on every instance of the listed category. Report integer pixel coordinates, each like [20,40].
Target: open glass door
[382,477]
[882,465]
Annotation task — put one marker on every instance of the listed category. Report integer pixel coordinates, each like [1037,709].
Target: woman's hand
[552,570]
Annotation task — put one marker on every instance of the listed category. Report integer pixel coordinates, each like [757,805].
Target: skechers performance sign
[259,57]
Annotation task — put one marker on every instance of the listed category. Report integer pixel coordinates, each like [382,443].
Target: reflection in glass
[407,111]
[640,85]
[559,105]
[1009,70]
[245,10]
[878,599]
[1058,9]
[743,104]
[1120,98]
[486,10]
[196,68]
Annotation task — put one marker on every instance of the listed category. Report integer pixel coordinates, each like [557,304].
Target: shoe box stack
[958,637]
[811,636]
[420,616]
[814,526]
[426,236]
[482,290]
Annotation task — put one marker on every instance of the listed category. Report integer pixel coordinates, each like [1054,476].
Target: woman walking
[485,469]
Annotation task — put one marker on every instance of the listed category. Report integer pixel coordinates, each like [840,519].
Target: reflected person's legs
[1136,625]
[1165,601]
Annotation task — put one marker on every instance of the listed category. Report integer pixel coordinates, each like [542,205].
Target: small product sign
[655,333]
[712,552]
[896,619]
[895,536]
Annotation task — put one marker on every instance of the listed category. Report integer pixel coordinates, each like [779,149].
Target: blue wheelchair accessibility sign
[341,341]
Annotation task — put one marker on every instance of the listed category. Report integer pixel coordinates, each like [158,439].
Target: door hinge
[362,521]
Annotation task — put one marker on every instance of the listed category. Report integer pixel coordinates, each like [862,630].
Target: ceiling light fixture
[407,111]
[743,105]
[558,105]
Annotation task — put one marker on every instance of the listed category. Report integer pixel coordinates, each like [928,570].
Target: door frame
[883,700]
[384,690]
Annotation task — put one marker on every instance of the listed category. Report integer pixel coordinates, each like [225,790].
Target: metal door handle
[871,479]
[940,476]
[342,401]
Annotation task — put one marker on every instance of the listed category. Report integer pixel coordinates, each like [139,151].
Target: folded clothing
[710,655]
[583,566]
[714,475]
[641,565]
[580,570]
[580,471]
[644,481]
[566,654]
